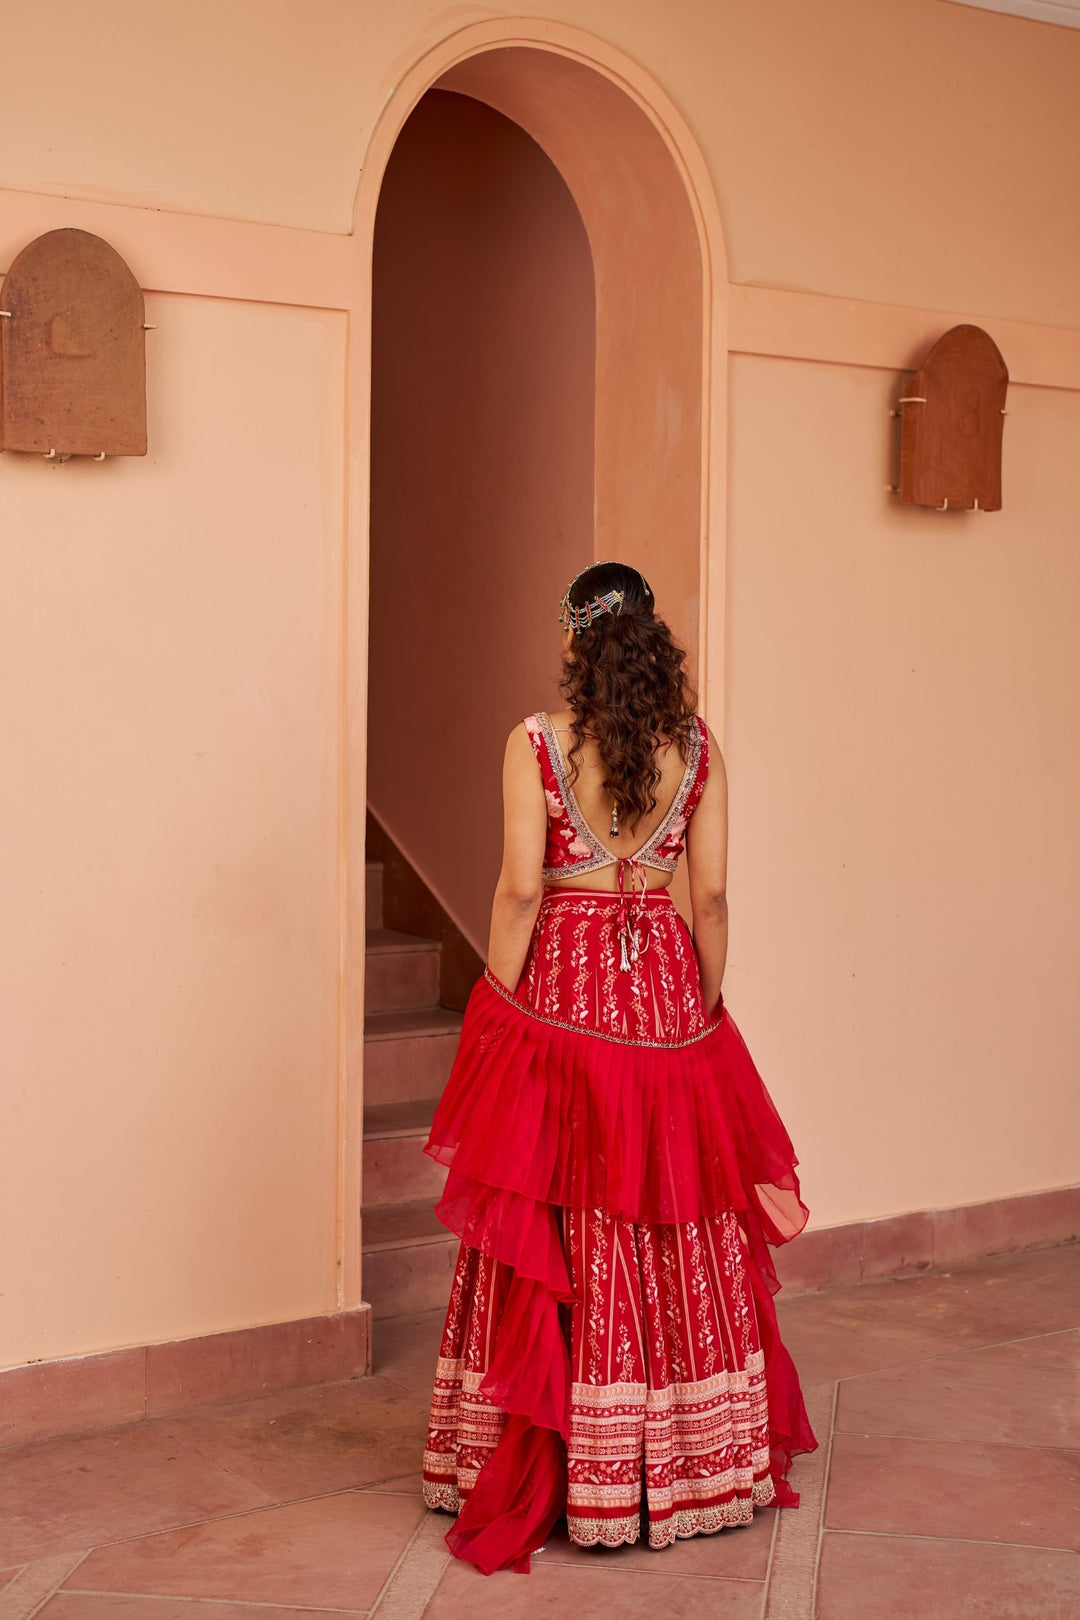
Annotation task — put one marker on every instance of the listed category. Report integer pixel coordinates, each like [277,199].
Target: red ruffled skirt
[617,1171]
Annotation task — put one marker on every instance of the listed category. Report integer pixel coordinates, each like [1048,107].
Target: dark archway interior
[482,495]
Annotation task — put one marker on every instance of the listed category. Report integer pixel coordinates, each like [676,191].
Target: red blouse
[572,847]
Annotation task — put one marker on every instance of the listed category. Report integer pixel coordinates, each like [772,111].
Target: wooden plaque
[74,350]
[951,421]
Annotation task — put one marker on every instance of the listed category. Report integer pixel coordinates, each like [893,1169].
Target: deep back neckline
[604,855]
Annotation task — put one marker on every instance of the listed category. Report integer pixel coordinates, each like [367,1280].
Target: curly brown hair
[625,683]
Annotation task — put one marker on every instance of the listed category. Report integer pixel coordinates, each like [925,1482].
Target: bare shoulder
[562,719]
[519,744]
[521,778]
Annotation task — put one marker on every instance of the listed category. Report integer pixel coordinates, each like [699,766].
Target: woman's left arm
[520,887]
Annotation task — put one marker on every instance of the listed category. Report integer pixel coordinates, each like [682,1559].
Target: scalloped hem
[678,1526]
[604,1532]
[441,1497]
[709,1521]
[444,1497]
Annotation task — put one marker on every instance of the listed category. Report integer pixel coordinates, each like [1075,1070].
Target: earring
[614,819]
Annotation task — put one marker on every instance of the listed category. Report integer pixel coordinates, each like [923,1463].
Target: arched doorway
[644,200]
[482,409]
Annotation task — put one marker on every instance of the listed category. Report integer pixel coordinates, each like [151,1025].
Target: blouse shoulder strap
[697,787]
[534,725]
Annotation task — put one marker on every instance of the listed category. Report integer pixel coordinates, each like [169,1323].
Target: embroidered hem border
[598,1034]
[444,1497]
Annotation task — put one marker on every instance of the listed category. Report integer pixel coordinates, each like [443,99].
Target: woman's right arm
[706,854]
[520,887]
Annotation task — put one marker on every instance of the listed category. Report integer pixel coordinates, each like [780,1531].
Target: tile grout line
[791,1574]
[970,1541]
[769,1566]
[54,1589]
[417,1574]
[963,1350]
[928,1440]
[220,1518]
[943,1355]
[824,1500]
[399,1560]
[54,1570]
[184,1597]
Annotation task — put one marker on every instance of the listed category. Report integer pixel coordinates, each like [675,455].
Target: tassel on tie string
[633,916]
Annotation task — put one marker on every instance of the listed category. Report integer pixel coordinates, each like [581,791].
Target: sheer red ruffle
[537,1113]
[537,1117]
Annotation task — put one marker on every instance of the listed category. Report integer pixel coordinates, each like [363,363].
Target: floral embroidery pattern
[572,849]
[668,1402]
[637,1411]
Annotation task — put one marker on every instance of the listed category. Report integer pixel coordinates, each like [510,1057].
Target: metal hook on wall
[909,399]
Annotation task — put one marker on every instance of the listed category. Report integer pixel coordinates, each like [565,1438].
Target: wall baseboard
[898,1245]
[43,1399]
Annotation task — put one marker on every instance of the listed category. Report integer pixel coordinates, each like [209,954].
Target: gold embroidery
[444,1497]
[600,1034]
[587,1532]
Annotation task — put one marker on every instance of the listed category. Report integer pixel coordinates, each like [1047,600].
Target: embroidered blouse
[572,848]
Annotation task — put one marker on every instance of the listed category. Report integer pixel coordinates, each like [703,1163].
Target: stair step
[396,1169]
[409,1259]
[412,1021]
[402,971]
[408,1117]
[408,1054]
[402,1226]
[373,893]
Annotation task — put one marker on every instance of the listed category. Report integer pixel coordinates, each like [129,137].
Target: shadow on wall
[482,476]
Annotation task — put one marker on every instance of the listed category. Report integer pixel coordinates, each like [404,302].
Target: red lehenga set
[616,1172]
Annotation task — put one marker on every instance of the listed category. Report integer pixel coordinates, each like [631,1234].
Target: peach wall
[482,476]
[182,851]
[169,656]
[910,151]
[900,721]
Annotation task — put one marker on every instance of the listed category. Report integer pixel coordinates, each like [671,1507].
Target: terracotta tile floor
[947,1486]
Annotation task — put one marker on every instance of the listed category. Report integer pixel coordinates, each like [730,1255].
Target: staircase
[409,1045]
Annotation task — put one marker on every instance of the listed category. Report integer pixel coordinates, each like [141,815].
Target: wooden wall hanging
[73,347]
[951,420]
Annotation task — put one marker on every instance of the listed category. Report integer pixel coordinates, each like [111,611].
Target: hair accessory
[578,619]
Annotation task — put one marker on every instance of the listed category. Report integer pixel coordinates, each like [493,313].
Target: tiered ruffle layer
[540,1116]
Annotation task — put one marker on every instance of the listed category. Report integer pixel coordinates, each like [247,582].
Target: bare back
[594,802]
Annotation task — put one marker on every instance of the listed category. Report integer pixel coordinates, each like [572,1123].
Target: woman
[615,1164]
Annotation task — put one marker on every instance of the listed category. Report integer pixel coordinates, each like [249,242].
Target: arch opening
[523,184]
[483,359]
